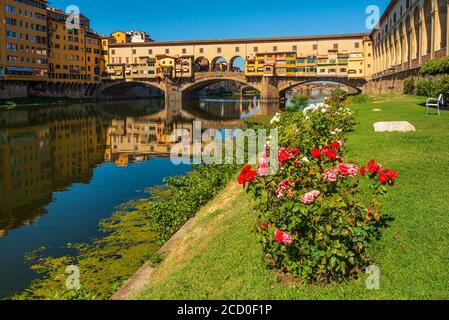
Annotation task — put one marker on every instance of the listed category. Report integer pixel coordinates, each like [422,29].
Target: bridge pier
[268,91]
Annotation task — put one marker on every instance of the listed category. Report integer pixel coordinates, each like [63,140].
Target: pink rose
[310,197]
[330,175]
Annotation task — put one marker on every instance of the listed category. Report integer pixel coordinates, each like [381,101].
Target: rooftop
[243,40]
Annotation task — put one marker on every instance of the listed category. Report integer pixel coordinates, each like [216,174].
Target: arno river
[64,168]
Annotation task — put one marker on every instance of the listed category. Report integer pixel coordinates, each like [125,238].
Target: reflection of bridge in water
[46,150]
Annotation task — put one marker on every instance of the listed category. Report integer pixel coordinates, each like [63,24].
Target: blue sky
[208,19]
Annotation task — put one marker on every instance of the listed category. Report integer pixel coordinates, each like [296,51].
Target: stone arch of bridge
[356,84]
[194,88]
[106,88]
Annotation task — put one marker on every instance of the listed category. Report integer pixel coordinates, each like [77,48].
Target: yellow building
[174,67]
[306,66]
[105,42]
[75,54]
[95,65]
[121,37]
[23,39]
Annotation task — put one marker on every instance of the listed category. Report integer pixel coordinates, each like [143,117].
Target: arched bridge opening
[354,85]
[219,88]
[131,89]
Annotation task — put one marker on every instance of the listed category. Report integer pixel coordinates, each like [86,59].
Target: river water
[64,168]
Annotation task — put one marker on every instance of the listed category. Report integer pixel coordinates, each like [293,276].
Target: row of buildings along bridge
[41,55]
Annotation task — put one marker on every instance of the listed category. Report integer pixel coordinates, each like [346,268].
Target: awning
[19,69]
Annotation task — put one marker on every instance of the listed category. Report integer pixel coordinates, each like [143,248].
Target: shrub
[440,86]
[338,94]
[409,86]
[316,214]
[435,67]
[433,86]
[359,98]
[298,104]
[424,87]
[173,204]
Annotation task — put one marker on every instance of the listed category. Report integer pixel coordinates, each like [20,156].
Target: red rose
[393,175]
[251,175]
[344,170]
[316,153]
[383,178]
[331,154]
[363,171]
[247,175]
[241,179]
[278,235]
[336,145]
[373,167]
[296,152]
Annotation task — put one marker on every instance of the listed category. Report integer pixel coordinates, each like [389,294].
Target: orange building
[23,40]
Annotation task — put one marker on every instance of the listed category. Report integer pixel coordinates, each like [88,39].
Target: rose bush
[317,215]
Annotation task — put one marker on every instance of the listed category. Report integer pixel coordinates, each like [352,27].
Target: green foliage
[338,94]
[438,66]
[359,98]
[410,85]
[424,87]
[173,204]
[297,104]
[433,86]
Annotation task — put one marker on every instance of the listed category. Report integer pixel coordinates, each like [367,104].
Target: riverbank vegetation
[411,255]
[37,101]
[132,237]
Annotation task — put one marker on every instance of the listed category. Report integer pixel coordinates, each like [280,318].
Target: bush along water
[318,213]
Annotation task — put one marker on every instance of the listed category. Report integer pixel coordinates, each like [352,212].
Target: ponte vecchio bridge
[270,65]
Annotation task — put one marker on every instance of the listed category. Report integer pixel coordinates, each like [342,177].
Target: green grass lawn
[221,257]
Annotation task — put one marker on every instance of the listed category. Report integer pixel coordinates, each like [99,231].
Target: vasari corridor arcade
[40,56]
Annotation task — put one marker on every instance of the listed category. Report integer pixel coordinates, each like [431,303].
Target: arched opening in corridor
[237,64]
[408,37]
[428,26]
[442,17]
[202,65]
[417,30]
[219,64]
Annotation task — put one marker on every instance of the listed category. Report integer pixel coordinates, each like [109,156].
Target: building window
[218,50]
[184,51]
[112,52]
[11,34]
[315,47]
[275,48]
[150,51]
[237,49]
[335,46]
[134,51]
[295,48]
[167,51]
[201,50]
[256,49]
[357,45]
